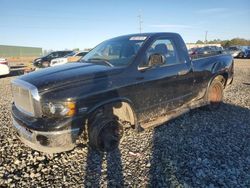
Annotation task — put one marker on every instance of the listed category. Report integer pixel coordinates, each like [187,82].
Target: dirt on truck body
[137,81]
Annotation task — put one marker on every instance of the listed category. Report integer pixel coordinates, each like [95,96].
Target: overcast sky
[61,24]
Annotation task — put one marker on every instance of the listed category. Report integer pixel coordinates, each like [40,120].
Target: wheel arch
[222,68]
[123,108]
[221,76]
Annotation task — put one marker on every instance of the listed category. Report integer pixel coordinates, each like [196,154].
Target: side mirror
[156,60]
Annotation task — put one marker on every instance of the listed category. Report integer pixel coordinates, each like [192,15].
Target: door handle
[181,73]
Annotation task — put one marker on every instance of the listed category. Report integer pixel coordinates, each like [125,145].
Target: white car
[4,67]
[74,56]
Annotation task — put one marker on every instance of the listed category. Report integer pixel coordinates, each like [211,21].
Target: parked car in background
[218,49]
[43,62]
[72,57]
[235,51]
[193,51]
[205,51]
[4,67]
[247,53]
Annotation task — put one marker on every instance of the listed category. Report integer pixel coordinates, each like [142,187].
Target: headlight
[65,109]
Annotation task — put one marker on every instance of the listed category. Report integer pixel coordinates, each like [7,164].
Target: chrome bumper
[48,142]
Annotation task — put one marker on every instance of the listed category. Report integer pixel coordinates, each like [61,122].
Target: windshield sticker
[138,38]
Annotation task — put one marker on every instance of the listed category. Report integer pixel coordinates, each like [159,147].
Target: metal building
[19,51]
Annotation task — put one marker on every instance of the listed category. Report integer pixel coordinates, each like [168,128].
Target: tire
[241,55]
[104,132]
[215,94]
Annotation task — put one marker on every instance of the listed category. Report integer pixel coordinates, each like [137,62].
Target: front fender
[122,107]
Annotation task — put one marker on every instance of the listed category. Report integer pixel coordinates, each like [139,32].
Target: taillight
[4,62]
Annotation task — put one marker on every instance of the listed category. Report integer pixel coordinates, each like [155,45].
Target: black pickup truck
[138,81]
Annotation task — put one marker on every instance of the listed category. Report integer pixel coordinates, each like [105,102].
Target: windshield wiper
[101,60]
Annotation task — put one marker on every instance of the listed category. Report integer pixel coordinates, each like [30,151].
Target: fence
[19,51]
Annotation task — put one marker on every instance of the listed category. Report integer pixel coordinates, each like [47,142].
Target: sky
[68,24]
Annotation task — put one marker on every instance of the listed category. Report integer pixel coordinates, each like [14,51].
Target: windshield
[117,52]
[70,54]
[52,55]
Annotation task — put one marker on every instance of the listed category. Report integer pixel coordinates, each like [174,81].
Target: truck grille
[26,98]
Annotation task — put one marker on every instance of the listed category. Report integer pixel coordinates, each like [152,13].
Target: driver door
[165,86]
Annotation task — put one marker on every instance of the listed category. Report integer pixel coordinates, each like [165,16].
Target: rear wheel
[105,132]
[215,94]
[240,55]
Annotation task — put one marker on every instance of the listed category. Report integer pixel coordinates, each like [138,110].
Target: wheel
[104,132]
[215,94]
[241,55]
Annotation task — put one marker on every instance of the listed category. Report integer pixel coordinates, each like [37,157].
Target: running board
[173,114]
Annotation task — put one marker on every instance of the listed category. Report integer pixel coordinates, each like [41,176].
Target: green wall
[19,51]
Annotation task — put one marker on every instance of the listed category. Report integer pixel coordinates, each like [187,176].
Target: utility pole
[205,37]
[140,22]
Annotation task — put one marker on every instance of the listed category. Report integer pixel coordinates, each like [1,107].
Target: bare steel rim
[215,94]
[109,136]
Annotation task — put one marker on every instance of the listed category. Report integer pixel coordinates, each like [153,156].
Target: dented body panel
[136,96]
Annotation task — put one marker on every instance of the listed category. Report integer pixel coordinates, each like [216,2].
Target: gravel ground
[198,149]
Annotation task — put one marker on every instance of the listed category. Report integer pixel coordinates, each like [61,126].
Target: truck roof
[152,34]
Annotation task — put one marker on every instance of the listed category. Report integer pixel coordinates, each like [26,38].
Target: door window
[164,47]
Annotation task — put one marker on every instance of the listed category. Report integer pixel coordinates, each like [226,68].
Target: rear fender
[218,68]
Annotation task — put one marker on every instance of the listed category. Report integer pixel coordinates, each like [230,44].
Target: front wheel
[105,133]
[215,94]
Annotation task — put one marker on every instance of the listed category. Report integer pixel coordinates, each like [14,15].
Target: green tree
[235,42]
[227,43]
[199,42]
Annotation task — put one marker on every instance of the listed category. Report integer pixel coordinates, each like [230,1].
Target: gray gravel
[198,149]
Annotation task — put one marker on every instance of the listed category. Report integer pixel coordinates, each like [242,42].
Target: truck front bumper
[48,142]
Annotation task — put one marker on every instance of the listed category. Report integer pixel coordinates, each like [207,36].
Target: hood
[37,59]
[66,74]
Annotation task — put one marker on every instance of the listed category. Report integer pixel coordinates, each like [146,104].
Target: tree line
[227,43]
